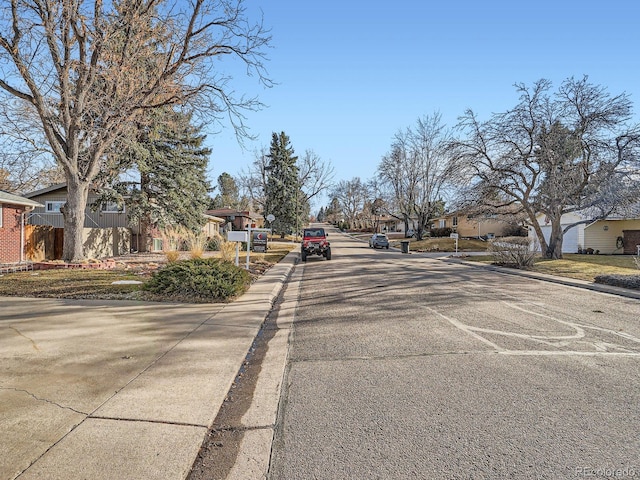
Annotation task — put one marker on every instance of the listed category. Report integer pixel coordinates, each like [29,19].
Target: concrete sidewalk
[104,390]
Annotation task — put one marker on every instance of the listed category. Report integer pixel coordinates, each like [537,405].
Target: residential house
[395,224]
[236,219]
[612,235]
[107,230]
[474,226]
[13,209]
[573,239]
[212,226]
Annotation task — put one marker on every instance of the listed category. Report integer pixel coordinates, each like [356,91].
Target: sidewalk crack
[35,397]
[33,344]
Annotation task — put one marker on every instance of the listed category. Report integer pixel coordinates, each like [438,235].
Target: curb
[570,282]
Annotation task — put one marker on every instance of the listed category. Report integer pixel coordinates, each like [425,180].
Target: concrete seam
[142,420]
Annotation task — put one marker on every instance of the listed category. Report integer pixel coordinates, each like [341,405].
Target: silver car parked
[379,240]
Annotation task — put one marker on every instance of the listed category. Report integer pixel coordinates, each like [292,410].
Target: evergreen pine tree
[169,156]
[228,193]
[282,191]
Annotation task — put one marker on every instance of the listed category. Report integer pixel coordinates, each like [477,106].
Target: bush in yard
[518,252]
[199,279]
[441,232]
[624,281]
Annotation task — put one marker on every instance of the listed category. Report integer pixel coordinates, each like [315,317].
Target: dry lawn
[581,267]
[97,284]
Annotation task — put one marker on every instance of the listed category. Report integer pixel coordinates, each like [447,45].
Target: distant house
[212,226]
[107,230]
[474,226]
[237,219]
[612,235]
[395,224]
[13,209]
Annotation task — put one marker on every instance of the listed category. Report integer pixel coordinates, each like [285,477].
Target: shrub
[515,252]
[228,251]
[196,243]
[203,280]
[172,255]
[441,232]
[624,281]
[213,243]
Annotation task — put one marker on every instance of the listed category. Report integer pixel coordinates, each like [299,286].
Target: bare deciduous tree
[554,154]
[253,180]
[351,196]
[79,74]
[314,177]
[419,170]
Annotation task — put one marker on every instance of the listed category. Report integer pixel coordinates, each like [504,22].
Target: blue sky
[351,73]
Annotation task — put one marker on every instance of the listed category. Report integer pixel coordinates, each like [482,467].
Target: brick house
[12,226]
[236,219]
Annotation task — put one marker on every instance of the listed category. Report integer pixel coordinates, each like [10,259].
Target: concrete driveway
[104,389]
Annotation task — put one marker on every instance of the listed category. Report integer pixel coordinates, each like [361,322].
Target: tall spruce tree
[168,154]
[283,197]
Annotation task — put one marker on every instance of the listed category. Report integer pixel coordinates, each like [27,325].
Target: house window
[157,244]
[443,223]
[53,207]
[111,207]
[455,221]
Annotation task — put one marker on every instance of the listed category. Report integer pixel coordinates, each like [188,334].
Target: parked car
[379,240]
[314,242]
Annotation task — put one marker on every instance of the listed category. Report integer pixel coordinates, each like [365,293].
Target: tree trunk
[554,248]
[145,237]
[73,212]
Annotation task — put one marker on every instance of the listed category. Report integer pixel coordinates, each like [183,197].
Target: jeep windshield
[314,232]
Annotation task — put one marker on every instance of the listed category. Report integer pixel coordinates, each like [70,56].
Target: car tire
[303,255]
[327,254]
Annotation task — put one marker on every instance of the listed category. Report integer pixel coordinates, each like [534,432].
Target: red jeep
[314,242]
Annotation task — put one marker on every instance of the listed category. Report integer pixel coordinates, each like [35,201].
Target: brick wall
[10,234]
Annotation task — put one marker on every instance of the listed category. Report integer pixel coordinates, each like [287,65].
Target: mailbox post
[237,236]
[455,235]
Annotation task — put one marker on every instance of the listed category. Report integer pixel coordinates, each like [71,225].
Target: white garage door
[569,242]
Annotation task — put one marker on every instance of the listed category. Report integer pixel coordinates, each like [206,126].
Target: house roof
[213,218]
[227,212]
[50,188]
[6,197]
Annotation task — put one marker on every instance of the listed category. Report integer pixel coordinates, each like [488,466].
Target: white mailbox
[237,236]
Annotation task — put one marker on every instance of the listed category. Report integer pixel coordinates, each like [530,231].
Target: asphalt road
[403,366]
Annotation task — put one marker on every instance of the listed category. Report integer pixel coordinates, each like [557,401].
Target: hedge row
[624,281]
